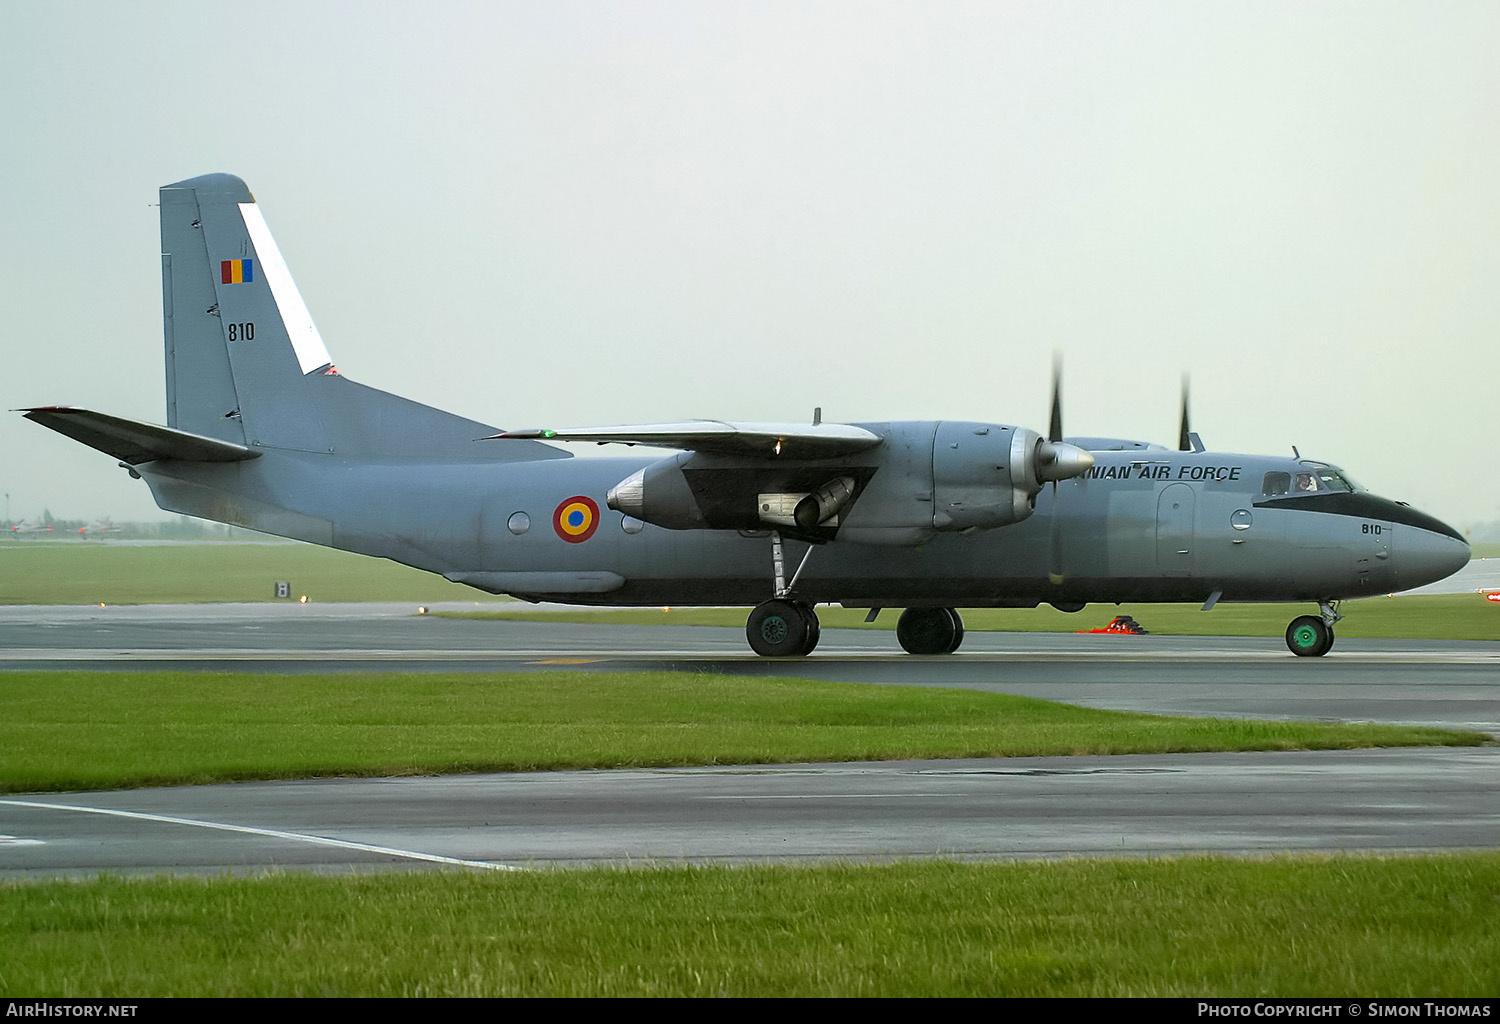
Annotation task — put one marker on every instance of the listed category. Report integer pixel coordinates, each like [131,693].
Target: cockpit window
[1333,480]
[1321,478]
[1276,483]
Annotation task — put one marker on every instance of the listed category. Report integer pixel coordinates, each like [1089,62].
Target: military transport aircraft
[264,433]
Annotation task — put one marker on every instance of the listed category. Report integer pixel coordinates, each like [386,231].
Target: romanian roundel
[576,519]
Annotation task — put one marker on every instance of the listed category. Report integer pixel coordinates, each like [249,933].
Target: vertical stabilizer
[245,363]
[240,342]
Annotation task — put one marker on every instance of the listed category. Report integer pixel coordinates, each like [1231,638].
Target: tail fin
[245,363]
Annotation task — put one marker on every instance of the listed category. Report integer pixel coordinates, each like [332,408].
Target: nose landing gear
[1311,636]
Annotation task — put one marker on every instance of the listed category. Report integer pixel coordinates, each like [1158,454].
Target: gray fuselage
[1149,524]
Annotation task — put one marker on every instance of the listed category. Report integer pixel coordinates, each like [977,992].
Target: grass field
[80,730]
[1290,926]
[83,572]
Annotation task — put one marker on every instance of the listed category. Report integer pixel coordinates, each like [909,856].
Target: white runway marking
[16,841]
[271,833]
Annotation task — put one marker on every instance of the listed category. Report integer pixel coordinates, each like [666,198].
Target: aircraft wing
[133,442]
[796,440]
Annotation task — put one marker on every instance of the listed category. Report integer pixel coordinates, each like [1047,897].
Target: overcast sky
[551,213]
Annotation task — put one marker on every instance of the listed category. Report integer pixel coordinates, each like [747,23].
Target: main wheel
[814,629]
[1309,637]
[929,630]
[958,629]
[780,629]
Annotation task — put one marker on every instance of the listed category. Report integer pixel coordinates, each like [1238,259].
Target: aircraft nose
[1426,556]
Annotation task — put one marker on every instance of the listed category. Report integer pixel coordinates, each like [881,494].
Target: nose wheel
[1311,636]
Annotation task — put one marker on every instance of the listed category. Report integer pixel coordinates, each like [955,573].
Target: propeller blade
[1054,428]
[1184,433]
[1054,540]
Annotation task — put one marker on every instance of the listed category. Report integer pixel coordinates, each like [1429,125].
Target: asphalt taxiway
[1028,807]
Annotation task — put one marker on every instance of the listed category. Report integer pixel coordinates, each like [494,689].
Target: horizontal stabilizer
[797,440]
[134,443]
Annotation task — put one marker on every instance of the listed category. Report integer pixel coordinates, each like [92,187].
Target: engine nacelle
[985,475]
[670,503]
[925,478]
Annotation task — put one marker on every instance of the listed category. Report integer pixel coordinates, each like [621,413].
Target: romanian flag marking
[236,271]
[576,519]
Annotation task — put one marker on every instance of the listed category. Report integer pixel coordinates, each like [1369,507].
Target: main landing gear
[783,627]
[1311,636]
[930,630]
[786,628]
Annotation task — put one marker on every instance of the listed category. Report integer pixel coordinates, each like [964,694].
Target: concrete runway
[1031,807]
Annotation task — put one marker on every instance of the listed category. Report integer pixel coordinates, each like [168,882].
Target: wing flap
[133,442]
[798,440]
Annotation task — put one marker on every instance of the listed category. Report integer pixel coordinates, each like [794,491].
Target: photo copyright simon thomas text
[1346,1008]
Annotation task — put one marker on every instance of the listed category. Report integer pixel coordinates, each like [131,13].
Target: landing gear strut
[1311,636]
[930,630]
[783,627]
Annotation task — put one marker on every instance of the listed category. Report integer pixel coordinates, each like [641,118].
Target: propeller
[1054,428]
[1184,438]
[1057,460]
[1054,437]
[1187,441]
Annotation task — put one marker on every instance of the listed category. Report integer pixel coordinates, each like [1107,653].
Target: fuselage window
[1276,483]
